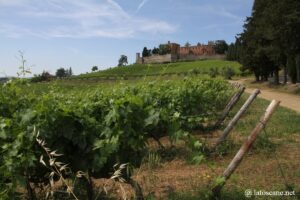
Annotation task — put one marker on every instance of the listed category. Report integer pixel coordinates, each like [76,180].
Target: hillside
[201,67]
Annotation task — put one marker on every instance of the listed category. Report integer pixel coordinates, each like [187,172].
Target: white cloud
[76,19]
[141,5]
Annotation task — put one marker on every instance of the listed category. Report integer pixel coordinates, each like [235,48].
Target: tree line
[46,76]
[270,41]
[163,49]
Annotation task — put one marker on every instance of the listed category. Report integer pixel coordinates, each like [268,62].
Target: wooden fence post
[246,146]
[237,116]
[235,98]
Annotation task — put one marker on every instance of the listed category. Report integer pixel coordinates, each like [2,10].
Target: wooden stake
[229,106]
[247,145]
[237,116]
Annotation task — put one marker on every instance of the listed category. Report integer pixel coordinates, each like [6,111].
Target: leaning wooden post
[237,116]
[235,98]
[246,146]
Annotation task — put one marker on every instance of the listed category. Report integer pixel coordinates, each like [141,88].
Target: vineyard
[179,68]
[149,100]
[63,140]
[93,130]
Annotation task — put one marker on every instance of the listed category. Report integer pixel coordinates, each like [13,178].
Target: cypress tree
[271,35]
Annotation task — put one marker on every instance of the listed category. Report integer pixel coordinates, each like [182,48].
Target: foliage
[263,143]
[234,51]
[153,160]
[213,72]
[187,44]
[123,61]
[270,37]
[101,126]
[219,181]
[220,46]
[164,49]
[297,59]
[155,51]
[45,76]
[228,72]
[70,72]
[61,72]
[225,147]
[198,149]
[23,70]
[292,68]
[146,52]
[56,168]
[94,68]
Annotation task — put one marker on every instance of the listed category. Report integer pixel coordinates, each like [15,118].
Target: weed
[152,160]
[225,147]
[213,72]
[263,143]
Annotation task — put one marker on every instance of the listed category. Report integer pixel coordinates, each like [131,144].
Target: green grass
[202,66]
[283,123]
[282,132]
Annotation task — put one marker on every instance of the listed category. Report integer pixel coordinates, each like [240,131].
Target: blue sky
[84,33]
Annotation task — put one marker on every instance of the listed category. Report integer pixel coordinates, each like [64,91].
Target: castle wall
[175,48]
[197,50]
[158,59]
[182,54]
[173,58]
[139,60]
[191,57]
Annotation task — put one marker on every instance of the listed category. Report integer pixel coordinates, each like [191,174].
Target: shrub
[228,72]
[45,76]
[213,72]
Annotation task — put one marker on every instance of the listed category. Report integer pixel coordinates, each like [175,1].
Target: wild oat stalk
[57,168]
[117,176]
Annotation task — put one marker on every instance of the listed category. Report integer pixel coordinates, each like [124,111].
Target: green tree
[255,42]
[69,72]
[164,49]
[94,68]
[230,52]
[61,72]
[123,60]
[292,68]
[146,52]
[298,67]
[234,51]
[187,44]
[155,51]
[270,36]
[45,76]
[228,72]
[220,46]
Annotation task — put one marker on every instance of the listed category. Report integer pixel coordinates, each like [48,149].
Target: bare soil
[258,170]
[288,100]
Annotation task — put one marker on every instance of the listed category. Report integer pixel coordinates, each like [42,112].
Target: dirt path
[287,100]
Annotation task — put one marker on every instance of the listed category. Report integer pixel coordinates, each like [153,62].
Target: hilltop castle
[177,53]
